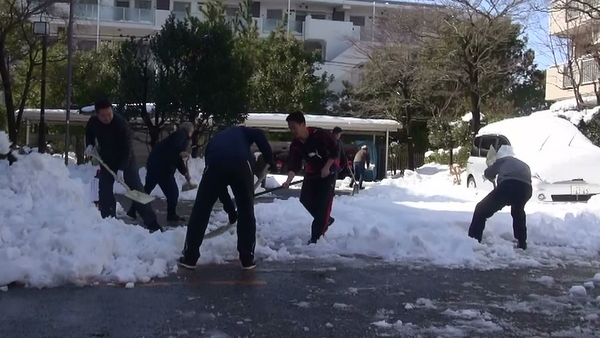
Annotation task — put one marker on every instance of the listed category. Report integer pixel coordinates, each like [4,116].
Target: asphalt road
[311,299]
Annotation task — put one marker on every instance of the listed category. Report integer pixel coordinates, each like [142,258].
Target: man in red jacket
[319,149]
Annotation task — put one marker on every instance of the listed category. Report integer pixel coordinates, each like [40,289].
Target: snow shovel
[134,195]
[355,186]
[188,185]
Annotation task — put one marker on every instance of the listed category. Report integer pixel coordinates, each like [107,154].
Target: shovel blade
[138,196]
[188,186]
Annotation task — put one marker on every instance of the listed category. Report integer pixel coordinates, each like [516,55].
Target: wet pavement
[356,298]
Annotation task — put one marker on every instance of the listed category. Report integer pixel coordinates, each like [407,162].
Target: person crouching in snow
[319,149]
[229,162]
[513,188]
[165,158]
[115,148]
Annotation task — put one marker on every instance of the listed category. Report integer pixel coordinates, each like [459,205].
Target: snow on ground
[51,235]
[568,110]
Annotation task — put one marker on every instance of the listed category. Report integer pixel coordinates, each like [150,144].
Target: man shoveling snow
[115,141]
[513,188]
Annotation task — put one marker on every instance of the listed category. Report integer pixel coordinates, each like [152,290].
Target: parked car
[565,164]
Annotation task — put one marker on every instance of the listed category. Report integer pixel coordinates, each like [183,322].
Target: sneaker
[233,218]
[175,218]
[186,263]
[248,264]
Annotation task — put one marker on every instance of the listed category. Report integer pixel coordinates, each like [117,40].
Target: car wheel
[471,183]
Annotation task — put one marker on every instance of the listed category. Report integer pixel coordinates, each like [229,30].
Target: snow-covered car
[565,164]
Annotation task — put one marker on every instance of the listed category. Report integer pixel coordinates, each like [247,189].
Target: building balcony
[560,82]
[116,14]
[567,19]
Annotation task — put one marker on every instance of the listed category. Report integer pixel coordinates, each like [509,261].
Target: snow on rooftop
[315,119]
[420,219]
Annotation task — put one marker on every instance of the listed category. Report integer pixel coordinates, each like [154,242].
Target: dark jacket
[319,146]
[115,140]
[507,169]
[165,156]
[362,156]
[233,144]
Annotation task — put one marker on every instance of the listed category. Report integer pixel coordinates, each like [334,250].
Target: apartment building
[576,37]
[332,26]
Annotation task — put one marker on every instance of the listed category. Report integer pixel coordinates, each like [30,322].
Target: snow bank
[568,109]
[4,143]
[50,235]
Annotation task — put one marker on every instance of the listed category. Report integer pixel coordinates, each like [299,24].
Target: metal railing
[116,14]
[585,71]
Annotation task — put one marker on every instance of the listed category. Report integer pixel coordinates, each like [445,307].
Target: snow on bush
[50,235]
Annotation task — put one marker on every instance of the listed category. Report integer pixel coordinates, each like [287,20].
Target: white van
[565,165]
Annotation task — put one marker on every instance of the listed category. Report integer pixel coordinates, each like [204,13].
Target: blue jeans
[359,173]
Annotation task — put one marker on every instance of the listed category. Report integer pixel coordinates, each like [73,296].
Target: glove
[90,150]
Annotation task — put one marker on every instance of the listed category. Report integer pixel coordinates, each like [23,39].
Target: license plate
[579,190]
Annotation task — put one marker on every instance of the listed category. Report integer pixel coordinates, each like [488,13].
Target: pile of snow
[4,143]
[419,219]
[50,235]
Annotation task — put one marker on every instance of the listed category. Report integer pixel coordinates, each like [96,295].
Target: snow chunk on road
[578,291]
[4,143]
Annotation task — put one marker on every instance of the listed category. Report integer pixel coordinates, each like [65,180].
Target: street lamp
[42,28]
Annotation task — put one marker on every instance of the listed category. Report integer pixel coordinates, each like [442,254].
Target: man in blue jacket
[166,157]
[228,162]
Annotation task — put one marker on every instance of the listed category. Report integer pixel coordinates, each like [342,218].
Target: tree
[480,47]
[200,74]
[134,63]
[285,77]
[18,46]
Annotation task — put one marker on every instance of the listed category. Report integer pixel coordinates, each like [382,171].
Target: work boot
[175,218]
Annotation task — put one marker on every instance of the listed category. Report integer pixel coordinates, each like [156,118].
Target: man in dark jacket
[115,147]
[319,150]
[166,157]
[337,134]
[361,158]
[513,188]
[228,160]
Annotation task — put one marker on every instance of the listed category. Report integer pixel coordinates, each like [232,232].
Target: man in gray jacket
[513,188]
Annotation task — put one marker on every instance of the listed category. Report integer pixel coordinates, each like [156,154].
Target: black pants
[217,176]
[166,181]
[317,197]
[108,204]
[511,192]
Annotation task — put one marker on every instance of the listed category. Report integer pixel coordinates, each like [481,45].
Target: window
[123,4]
[276,14]
[200,4]
[358,20]
[255,9]
[143,4]
[231,11]
[475,147]
[179,6]
[318,16]
[502,141]
[486,142]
